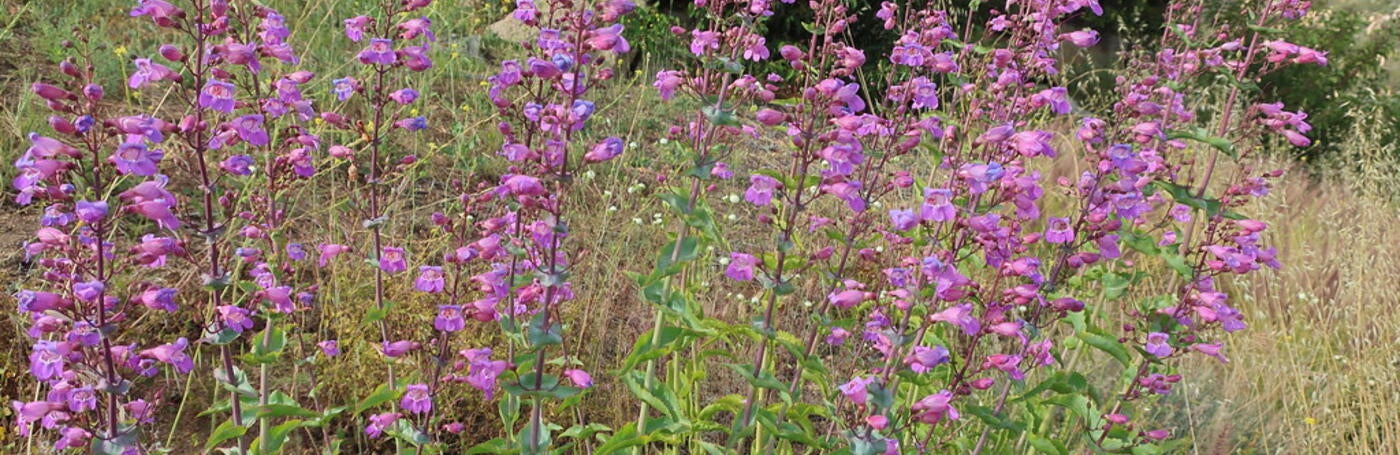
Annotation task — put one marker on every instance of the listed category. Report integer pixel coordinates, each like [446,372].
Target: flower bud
[172,53]
[50,92]
[62,125]
[93,92]
[70,69]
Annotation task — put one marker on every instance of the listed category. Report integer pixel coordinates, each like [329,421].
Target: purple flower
[721,171]
[160,11]
[135,159]
[667,82]
[483,371]
[417,399]
[344,87]
[837,336]
[47,359]
[392,260]
[934,408]
[1081,38]
[703,41]
[856,390]
[924,93]
[430,279]
[158,298]
[449,318]
[379,52]
[378,422]
[509,74]
[608,39]
[237,165]
[330,348]
[1157,344]
[415,58]
[151,200]
[903,219]
[89,291]
[152,250]
[1059,231]
[961,316]
[217,95]
[1032,143]
[296,252]
[580,378]
[355,27]
[525,12]
[1010,364]
[978,176]
[608,149]
[235,318]
[172,354]
[404,95]
[741,267]
[938,205]
[847,298]
[412,123]
[1210,349]
[923,358]
[330,251]
[250,129]
[91,212]
[82,399]
[396,349]
[419,26]
[280,297]
[148,71]
[72,438]
[761,187]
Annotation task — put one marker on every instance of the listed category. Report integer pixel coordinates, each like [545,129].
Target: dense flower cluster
[940,260]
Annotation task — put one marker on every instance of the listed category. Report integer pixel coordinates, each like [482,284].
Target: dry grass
[1318,371]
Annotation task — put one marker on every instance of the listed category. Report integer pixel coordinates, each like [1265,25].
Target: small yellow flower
[413,111]
[1310,421]
[120,51]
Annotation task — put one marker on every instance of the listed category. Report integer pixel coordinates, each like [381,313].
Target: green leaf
[993,420]
[494,446]
[1114,285]
[126,439]
[275,437]
[764,380]
[1203,136]
[644,350]
[675,201]
[621,439]
[720,116]
[286,410]
[1107,344]
[541,337]
[689,249]
[382,394]
[226,431]
[1047,446]
[667,407]
[1182,195]
[221,337]
[1147,449]
[549,387]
